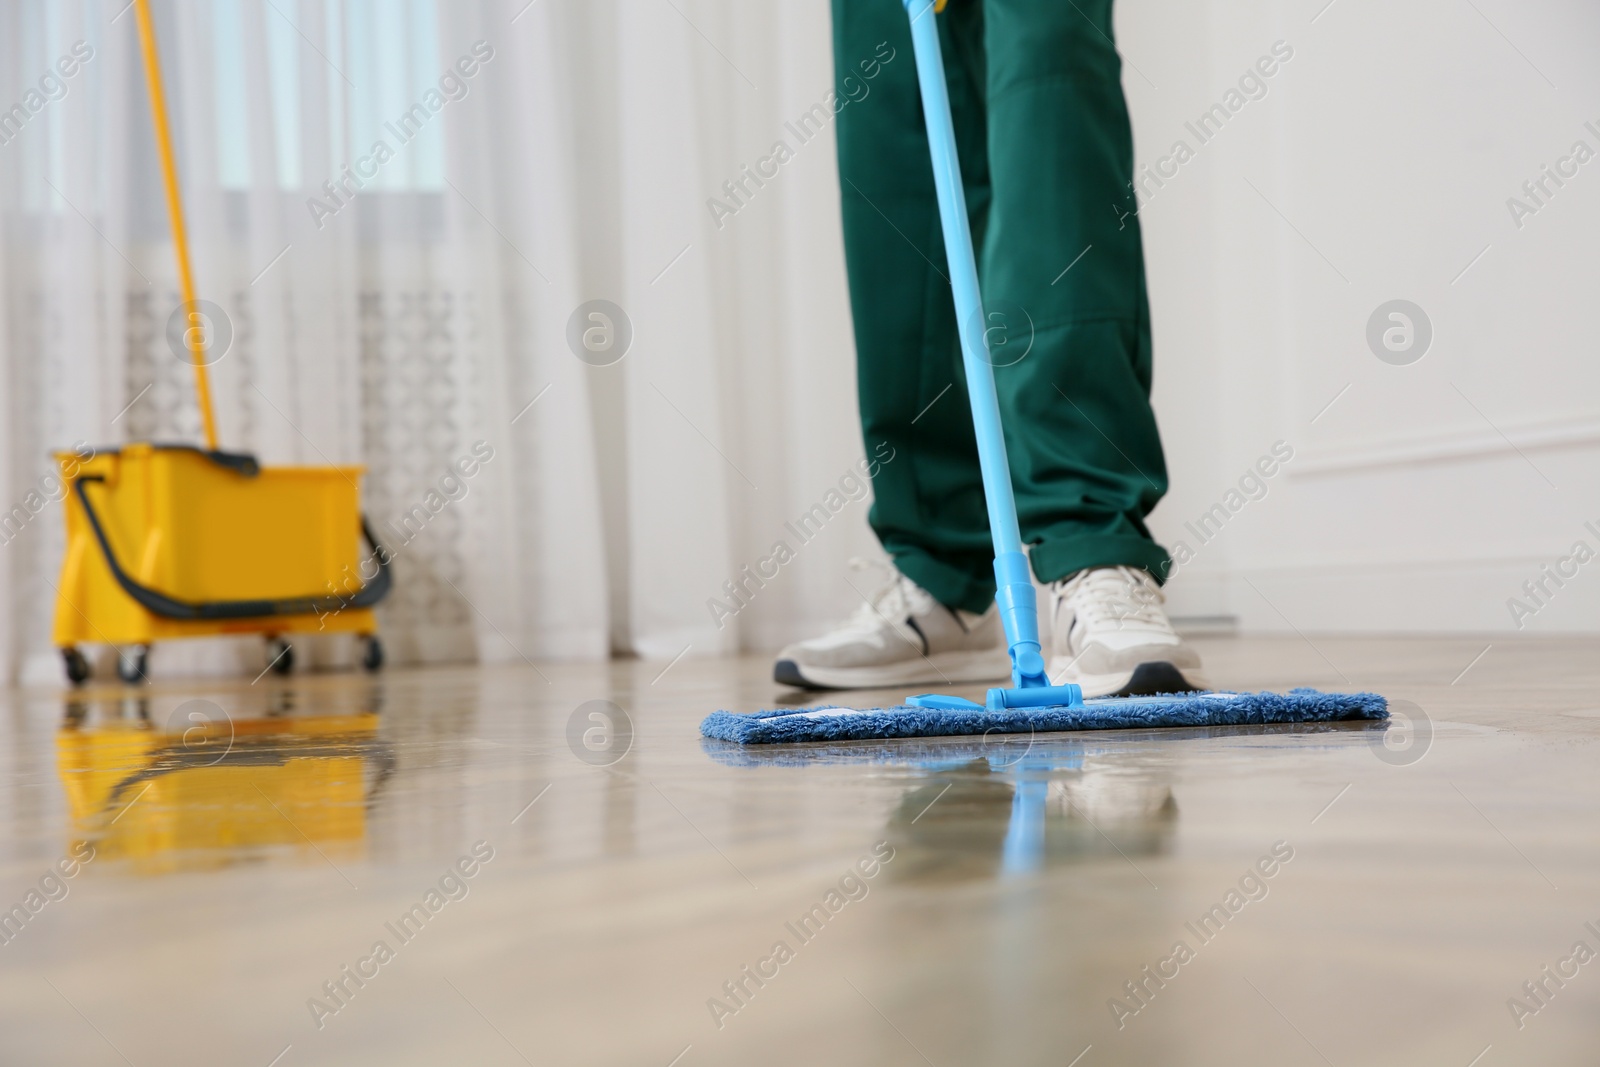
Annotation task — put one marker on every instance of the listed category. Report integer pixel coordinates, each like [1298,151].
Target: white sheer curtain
[402,322]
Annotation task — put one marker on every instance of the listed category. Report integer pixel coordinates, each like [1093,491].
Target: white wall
[1377,167]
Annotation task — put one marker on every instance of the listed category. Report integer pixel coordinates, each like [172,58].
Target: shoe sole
[1147,679]
[941,668]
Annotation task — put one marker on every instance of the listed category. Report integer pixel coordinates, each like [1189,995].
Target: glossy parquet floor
[492,866]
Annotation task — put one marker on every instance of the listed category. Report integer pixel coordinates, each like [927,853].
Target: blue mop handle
[1013,586]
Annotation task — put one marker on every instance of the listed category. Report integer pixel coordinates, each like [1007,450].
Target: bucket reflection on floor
[204,788]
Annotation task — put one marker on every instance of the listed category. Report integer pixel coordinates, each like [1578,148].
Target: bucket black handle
[159,603]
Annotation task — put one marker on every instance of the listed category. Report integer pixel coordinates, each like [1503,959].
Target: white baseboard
[1199,594]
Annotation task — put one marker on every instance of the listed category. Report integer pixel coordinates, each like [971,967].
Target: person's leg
[1044,142]
[1062,249]
[933,620]
[928,505]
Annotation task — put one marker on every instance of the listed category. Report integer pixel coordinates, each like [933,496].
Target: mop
[1032,704]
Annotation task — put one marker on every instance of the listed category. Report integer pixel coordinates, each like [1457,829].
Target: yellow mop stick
[180,239]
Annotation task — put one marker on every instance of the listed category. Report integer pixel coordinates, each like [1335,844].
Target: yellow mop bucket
[168,541]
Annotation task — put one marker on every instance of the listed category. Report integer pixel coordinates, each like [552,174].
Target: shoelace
[1115,597]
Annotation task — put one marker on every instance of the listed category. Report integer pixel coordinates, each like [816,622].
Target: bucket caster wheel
[77,666]
[372,655]
[280,656]
[133,664]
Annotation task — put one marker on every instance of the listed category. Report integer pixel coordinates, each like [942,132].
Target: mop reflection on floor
[1001,805]
[987,818]
[1008,804]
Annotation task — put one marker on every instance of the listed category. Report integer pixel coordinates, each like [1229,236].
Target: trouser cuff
[1058,559]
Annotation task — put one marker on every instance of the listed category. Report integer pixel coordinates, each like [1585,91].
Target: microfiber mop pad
[1003,751]
[787,725]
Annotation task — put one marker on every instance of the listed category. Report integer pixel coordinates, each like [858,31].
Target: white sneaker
[900,636]
[1112,637]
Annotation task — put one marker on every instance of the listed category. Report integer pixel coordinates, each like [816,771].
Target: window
[380,55]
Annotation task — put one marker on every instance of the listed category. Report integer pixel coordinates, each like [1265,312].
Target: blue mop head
[779,726]
[1012,750]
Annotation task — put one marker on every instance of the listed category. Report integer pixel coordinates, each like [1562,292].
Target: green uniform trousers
[1047,159]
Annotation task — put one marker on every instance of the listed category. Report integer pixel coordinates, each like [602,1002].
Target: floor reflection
[1004,805]
[1002,814]
[200,787]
